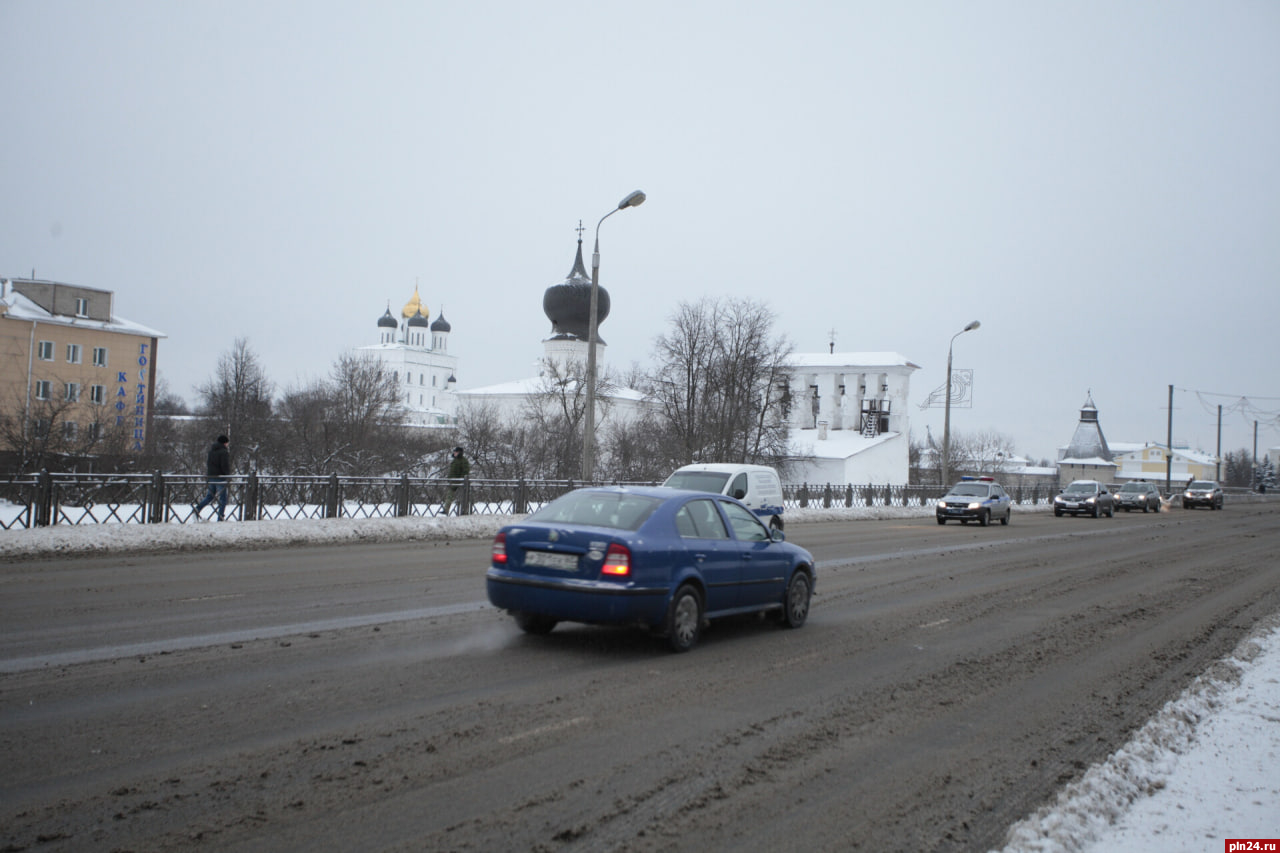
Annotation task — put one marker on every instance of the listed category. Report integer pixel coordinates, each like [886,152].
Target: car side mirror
[776,535]
[739,493]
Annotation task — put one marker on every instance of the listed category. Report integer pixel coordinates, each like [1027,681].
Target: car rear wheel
[795,610]
[534,623]
[684,619]
[1008,513]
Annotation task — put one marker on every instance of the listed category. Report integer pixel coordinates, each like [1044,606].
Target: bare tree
[982,452]
[718,381]
[237,400]
[351,423]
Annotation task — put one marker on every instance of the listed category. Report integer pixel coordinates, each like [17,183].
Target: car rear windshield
[698,481]
[599,509]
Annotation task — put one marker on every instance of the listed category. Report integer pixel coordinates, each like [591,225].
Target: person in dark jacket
[459,469]
[219,469]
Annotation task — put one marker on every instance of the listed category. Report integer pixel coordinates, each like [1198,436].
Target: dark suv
[1202,493]
[1143,496]
[1084,496]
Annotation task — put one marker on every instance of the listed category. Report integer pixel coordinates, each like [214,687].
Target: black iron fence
[46,498]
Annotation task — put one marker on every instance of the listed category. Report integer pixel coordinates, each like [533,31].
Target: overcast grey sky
[1097,182]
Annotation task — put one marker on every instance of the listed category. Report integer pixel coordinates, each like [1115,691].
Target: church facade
[848,421]
[416,351]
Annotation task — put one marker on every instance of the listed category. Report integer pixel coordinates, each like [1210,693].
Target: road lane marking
[542,730]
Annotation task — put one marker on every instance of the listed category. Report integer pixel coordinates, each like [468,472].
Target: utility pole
[1168,456]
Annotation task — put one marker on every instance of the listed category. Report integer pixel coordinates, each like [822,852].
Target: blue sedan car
[665,560]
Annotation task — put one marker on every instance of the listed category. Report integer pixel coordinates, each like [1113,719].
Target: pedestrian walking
[218,464]
[459,469]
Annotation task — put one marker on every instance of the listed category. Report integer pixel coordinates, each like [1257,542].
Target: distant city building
[1090,457]
[848,421]
[69,363]
[417,354]
[1151,461]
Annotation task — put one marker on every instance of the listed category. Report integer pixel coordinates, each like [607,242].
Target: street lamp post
[946,418]
[635,199]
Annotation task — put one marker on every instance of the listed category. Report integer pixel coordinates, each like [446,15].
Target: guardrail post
[402,502]
[157,502]
[521,499]
[826,496]
[331,497]
[44,498]
[252,495]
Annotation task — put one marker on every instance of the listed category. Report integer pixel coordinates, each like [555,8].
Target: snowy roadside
[65,540]
[1200,772]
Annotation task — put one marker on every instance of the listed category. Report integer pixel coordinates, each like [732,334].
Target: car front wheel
[1007,514]
[684,619]
[795,610]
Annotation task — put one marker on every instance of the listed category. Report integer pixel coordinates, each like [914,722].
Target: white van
[757,486]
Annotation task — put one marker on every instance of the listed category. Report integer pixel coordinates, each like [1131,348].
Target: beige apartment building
[75,378]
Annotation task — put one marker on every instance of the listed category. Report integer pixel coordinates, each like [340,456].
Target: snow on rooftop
[850,359]
[22,308]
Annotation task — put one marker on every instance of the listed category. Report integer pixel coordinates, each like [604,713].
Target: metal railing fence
[46,499]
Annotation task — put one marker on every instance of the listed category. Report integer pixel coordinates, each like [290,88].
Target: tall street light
[946,418]
[635,199]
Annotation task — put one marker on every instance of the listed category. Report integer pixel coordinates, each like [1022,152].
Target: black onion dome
[441,324]
[568,305]
[417,320]
[386,321]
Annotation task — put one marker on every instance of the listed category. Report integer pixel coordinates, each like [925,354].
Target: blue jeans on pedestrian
[218,489]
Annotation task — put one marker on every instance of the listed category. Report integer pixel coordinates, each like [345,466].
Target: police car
[979,499]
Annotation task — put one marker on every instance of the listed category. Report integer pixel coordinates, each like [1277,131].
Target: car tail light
[617,561]
[500,549]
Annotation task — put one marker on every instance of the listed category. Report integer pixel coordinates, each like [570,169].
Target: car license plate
[551,560]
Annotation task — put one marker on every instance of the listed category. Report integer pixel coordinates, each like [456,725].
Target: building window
[95,431]
[82,307]
[69,430]
[73,353]
[41,427]
[98,394]
[43,389]
[99,356]
[73,392]
[44,351]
